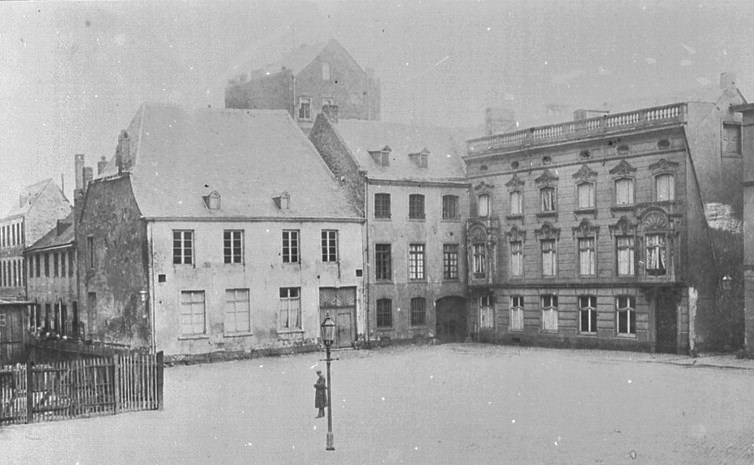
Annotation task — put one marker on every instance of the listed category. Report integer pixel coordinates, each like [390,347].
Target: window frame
[450,207]
[550,271]
[383,261]
[382,210]
[630,316]
[191,303]
[450,262]
[291,246]
[330,252]
[630,250]
[416,262]
[179,244]
[587,245]
[416,310]
[549,304]
[661,252]
[484,205]
[479,260]
[416,207]
[516,307]
[304,108]
[544,193]
[656,188]
[590,310]
[285,306]
[243,330]
[516,259]
[632,191]
[592,202]
[384,310]
[233,247]
[519,203]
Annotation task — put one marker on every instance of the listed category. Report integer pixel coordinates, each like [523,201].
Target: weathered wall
[273,92]
[263,273]
[57,287]
[111,217]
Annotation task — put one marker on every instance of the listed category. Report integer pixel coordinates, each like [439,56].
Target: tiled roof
[30,194]
[247,156]
[445,148]
[53,239]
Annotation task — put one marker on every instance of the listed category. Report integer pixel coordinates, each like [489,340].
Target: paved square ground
[445,404]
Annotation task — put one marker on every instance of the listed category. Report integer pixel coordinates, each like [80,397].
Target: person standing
[320,396]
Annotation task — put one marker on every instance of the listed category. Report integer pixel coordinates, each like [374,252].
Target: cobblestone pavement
[445,404]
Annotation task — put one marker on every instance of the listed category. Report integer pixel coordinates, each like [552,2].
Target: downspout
[151,280]
[367,268]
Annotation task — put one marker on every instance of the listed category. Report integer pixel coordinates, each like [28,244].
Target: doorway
[340,303]
[452,319]
[666,319]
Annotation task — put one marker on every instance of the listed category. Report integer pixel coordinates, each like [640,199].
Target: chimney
[582,114]
[727,81]
[101,165]
[123,152]
[88,176]
[79,168]
[498,120]
[331,112]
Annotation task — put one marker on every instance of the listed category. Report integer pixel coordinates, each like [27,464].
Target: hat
[319,372]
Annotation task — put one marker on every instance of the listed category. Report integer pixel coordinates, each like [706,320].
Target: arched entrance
[452,319]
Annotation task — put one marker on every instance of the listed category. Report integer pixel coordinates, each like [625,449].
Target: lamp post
[328,337]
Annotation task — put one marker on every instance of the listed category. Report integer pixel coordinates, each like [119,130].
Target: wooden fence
[80,388]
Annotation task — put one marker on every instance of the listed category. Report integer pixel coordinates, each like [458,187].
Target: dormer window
[420,159]
[305,108]
[282,201]
[325,71]
[211,198]
[381,157]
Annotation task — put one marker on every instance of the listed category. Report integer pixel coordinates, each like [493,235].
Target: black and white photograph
[378,232]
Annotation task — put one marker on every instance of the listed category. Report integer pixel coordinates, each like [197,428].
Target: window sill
[515,330]
[450,280]
[587,334]
[418,219]
[193,338]
[383,281]
[384,328]
[231,335]
[422,326]
[290,331]
[623,208]
[518,216]
[626,336]
[382,218]
[417,281]
[452,220]
[547,214]
[291,263]
[548,331]
[585,211]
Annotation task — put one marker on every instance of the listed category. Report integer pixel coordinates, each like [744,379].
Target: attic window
[546,160]
[584,154]
[325,71]
[381,157]
[420,159]
[283,201]
[514,165]
[664,144]
[211,199]
[623,149]
[483,168]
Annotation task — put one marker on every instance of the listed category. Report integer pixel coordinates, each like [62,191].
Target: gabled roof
[54,239]
[445,147]
[297,59]
[247,156]
[29,195]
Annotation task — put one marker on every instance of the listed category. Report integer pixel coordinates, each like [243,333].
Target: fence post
[29,391]
[160,378]
[116,383]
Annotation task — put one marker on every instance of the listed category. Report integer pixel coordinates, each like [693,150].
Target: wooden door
[340,304]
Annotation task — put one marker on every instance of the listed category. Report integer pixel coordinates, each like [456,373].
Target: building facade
[39,208]
[409,184]
[193,242]
[304,81]
[615,231]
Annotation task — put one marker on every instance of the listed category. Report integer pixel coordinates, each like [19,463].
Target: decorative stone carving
[663,165]
[547,231]
[483,186]
[623,168]
[623,227]
[586,229]
[516,234]
[546,178]
[514,183]
[584,173]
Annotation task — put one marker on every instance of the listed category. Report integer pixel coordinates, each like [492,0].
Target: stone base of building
[567,342]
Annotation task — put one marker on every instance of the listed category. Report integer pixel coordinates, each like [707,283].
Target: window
[516,200]
[290,308]
[483,206]
[193,317]
[55,269]
[486,312]
[62,264]
[70,264]
[416,207]
[625,252]
[418,311]
[290,246]
[655,255]
[450,207]
[383,262]
[585,195]
[549,312]
[450,261]
[732,139]
[626,314]
[517,259]
[664,187]
[586,256]
[416,261]
[384,313]
[478,260]
[304,108]
[549,258]
[47,265]
[237,312]
[89,249]
[517,313]
[233,246]
[183,247]
[325,71]
[547,199]
[624,191]
[329,245]
[588,314]
[382,205]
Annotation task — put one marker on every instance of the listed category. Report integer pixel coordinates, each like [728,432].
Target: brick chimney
[123,152]
[88,176]
[79,169]
[727,81]
[331,112]
[101,165]
[499,120]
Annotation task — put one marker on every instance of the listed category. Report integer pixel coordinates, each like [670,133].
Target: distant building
[615,231]
[409,183]
[52,284]
[304,81]
[217,231]
[39,208]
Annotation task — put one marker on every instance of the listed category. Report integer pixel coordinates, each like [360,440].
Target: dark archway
[452,318]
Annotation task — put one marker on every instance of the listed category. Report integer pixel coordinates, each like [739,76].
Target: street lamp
[328,337]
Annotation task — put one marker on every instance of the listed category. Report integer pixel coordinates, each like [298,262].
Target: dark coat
[320,397]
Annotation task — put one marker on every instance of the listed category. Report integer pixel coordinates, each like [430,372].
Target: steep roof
[247,156]
[54,239]
[28,196]
[297,59]
[445,148]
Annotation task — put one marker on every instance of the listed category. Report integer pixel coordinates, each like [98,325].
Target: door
[340,304]
[452,319]
[667,322]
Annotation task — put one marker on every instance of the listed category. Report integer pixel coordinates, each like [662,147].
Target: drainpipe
[367,268]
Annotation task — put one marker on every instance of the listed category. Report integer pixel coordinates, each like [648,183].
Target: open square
[446,404]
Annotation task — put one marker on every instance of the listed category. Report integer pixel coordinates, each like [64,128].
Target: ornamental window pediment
[546,179]
[584,174]
[623,169]
[547,231]
[586,229]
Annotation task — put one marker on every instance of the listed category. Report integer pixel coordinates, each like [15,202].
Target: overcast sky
[72,75]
